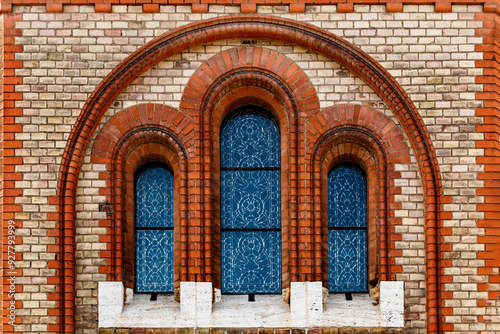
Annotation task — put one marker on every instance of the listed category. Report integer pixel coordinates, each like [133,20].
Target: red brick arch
[363,117]
[132,137]
[365,136]
[141,116]
[234,77]
[240,26]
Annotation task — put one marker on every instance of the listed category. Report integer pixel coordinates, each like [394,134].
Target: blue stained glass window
[250,262]
[154,261]
[250,140]
[155,198]
[154,243]
[252,199]
[347,244]
[346,198]
[347,260]
[250,203]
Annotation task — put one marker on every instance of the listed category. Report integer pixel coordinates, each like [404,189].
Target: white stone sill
[235,311]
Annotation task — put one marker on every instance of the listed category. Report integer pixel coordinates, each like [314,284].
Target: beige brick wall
[66,55]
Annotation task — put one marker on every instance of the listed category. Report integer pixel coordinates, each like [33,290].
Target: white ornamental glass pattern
[252,198]
[154,243]
[347,245]
[250,203]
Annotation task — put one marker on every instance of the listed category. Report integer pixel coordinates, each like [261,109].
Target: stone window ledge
[196,310]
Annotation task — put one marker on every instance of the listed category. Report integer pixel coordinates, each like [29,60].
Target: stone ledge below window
[306,310]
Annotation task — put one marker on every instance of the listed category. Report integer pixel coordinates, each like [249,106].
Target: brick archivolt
[141,137]
[368,138]
[249,76]
[296,93]
[154,132]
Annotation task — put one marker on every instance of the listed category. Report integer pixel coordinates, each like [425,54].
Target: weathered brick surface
[58,59]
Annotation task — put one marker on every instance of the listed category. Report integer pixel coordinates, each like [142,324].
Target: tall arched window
[250,203]
[347,230]
[154,229]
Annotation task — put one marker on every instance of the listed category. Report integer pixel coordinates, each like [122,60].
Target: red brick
[247,8]
[199,8]
[151,8]
[394,7]
[345,8]
[442,7]
[297,8]
[103,7]
[54,7]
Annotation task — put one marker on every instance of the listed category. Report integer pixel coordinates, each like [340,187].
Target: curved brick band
[123,133]
[243,26]
[257,76]
[375,142]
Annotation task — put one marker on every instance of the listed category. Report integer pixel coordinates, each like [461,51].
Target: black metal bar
[154,296]
[251,297]
[348,296]
[347,228]
[155,228]
[250,229]
[248,168]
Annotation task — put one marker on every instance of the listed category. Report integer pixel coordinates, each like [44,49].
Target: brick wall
[55,60]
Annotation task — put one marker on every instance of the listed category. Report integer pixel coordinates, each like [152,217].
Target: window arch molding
[148,150]
[359,147]
[124,149]
[286,97]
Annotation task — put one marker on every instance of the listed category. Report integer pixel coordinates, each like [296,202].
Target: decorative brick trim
[394,7]
[244,26]
[491,161]
[383,128]
[9,128]
[151,8]
[54,7]
[297,8]
[199,8]
[369,138]
[345,8]
[248,8]
[342,3]
[102,8]
[442,7]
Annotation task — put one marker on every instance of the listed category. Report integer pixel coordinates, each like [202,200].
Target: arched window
[154,229]
[250,203]
[347,230]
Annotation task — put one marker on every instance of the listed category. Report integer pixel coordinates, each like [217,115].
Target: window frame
[143,168]
[360,170]
[237,112]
